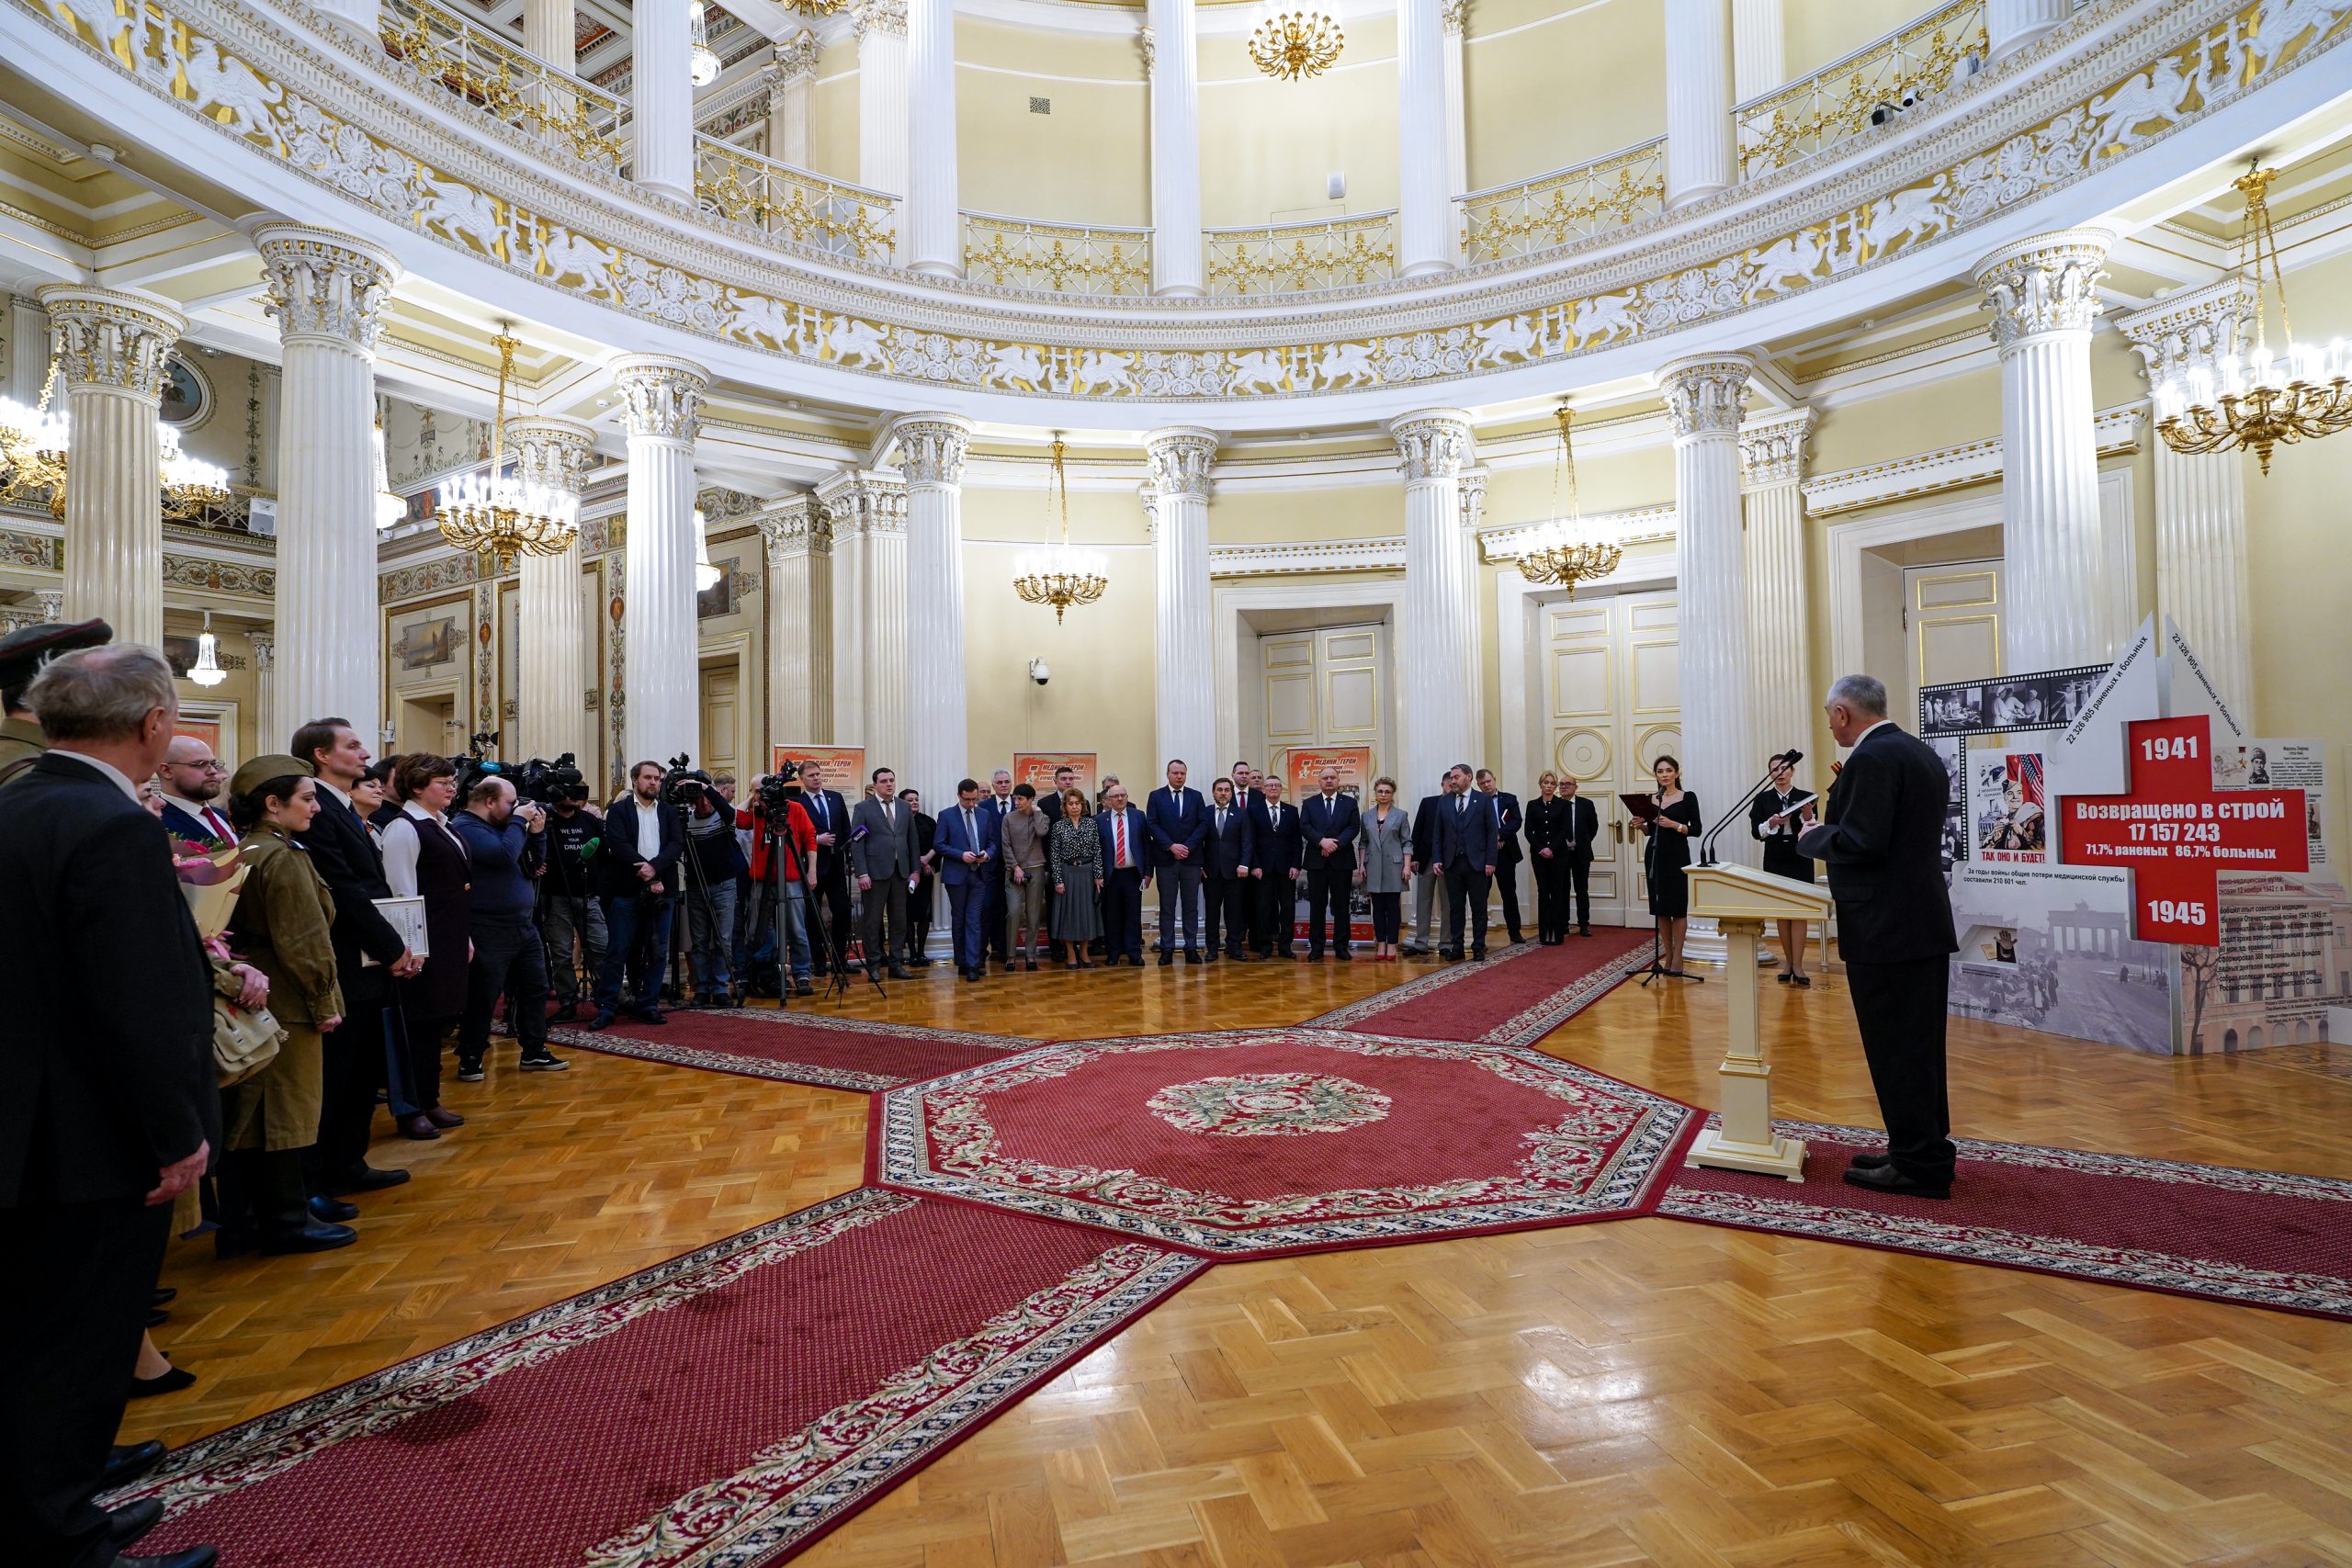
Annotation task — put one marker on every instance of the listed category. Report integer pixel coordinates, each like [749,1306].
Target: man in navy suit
[1126,871]
[1232,849]
[192,780]
[997,803]
[1180,827]
[1327,826]
[1466,853]
[1507,854]
[1423,869]
[829,891]
[969,851]
[1273,865]
[1881,835]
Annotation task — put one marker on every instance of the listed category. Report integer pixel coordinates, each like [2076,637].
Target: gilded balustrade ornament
[1060,258]
[777,198]
[1882,80]
[1299,257]
[449,53]
[584,234]
[1546,212]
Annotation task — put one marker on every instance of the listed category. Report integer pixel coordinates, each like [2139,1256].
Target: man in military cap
[22,653]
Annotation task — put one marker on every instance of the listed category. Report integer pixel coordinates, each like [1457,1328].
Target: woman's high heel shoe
[170,1382]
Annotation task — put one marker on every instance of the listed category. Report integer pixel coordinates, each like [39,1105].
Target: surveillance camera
[1039,673]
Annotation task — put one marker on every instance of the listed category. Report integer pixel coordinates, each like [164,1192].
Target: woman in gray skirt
[1074,862]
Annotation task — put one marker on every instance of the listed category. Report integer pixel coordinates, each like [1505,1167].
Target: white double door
[1613,705]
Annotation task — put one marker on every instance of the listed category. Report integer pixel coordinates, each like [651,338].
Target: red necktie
[220,827]
[1122,828]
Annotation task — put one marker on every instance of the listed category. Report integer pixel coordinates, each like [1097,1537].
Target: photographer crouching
[637,872]
[508,958]
[709,891]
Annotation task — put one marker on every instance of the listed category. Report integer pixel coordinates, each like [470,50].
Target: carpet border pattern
[1523,1028]
[1924,1235]
[794,1490]
[814,1074]
[1413,990]
[1633,1176]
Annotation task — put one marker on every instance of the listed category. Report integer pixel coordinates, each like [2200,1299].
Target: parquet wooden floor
[1644,1390]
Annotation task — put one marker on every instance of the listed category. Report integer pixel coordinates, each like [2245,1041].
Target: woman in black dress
[1667,852]
[920,897]
[1777,816]
[1550,829]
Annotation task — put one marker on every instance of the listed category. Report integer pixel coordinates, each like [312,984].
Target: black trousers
[1325,889]
[1276,897]
[507,958]
[1580,888]
[82,1275]
[1180,895]
[1506,876]
[1465,895]
[1550,897]
[1226,902]
[1900,1010]
[828,913]
[1123,913]
[352,1070]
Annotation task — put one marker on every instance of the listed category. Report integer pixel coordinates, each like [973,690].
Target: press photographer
[710,884]
[784,845]
[636,869]
[498,832]
[570,911]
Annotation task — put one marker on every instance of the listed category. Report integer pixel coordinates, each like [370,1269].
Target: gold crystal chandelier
[702,60]
[190,484]
[1058,575]
[492,513]
[36,444]
[1293,45]
[1567,550]
[2256,402]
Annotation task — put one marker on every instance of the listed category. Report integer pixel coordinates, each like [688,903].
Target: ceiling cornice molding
[1951,467]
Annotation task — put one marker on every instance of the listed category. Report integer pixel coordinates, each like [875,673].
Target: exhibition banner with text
[1037,769]
[1303,774]
[844,766]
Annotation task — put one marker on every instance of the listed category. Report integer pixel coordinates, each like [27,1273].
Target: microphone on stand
[1707,844]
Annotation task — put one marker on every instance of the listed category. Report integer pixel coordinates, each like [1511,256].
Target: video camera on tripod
[540,780]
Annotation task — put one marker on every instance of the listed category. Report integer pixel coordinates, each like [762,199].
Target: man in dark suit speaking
[1881,835]
[107,1109]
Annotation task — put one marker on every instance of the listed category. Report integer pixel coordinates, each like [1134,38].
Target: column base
[2010,46]
[1426,269]
[1744,1139]
[1696,193]
[664,188]
[1783,1157]
[1180,291]
[948,270]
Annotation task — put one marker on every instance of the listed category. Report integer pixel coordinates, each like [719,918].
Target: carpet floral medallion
[1251,1142]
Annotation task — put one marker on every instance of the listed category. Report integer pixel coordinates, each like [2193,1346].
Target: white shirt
[649,829]
[337,791]
[106,770]
[1866,734]
[401,848]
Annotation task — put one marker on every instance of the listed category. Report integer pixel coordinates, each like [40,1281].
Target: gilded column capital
[660,397]
[2046,284]
[1704,394]
[1148,45]
[797,56]
[1453,16]
[858,501]
[883,16]
[322,284]
[932,447]
[1473,488]
[2191,329]
[796,526]
[1772,449]
[1179,458]
[102,338]
[1433,443]
[552,452]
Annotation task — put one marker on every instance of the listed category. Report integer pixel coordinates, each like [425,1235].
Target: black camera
[549,782]
[778,790]
[683,784]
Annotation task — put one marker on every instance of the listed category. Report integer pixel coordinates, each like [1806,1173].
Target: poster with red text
[1302,770]
[1037,769]
[845,765]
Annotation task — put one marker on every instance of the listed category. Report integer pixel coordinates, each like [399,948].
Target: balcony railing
[1546,212]
[1912,63]
[1056,258]
[448,53]
[830,216]
[1301,258]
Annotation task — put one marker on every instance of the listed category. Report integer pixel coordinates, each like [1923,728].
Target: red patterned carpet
[2252,1238]
[726,1406]
[798,1045]
[1253,1143]
[1516,997]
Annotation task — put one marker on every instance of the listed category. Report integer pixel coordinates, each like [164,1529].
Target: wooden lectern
[1740,899]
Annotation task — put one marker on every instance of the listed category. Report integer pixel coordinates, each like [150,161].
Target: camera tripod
[819,936]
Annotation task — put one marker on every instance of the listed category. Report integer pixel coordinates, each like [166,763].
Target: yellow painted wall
[1267,146]
[833,118]
[1583,80]
[1815,32]
[1088,160]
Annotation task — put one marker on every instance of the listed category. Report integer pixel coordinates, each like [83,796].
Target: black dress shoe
[1886,1179]
[333,1211]
[157,1317]
[163,1295]
[365,1178]
[126,1463]
[1871,1159]
[312,1237]
[1167,959]
[602,1020]
[170,1381]
[128,1523]
[194,1557]
[648,1015]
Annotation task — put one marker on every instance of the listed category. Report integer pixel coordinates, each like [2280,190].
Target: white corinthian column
[800,620]
[930,454]
[1172,60]
[1699,156]
[933,230]
[881,27]
[329,295]
[551,710]
[110,349]
[2044,294]
[661,409]
[1719,756]
[1780,620]
[1439,657]
[2200,500]
[662,99]
[1424,207]
[1184,701]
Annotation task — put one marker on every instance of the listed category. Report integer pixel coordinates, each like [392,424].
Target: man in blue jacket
[969,852]
[1179,832]
[509,959]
